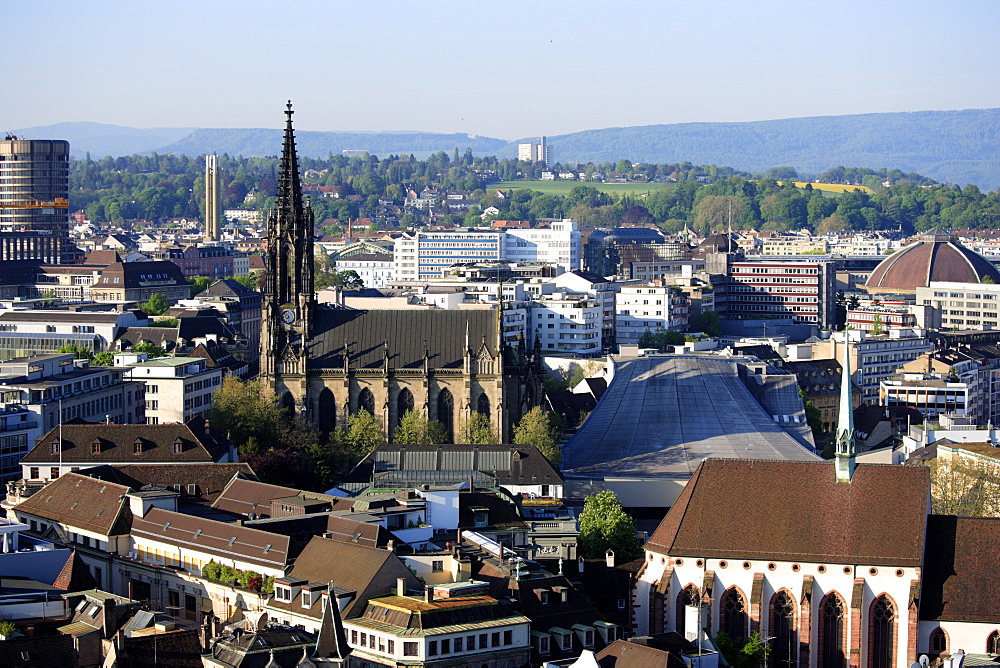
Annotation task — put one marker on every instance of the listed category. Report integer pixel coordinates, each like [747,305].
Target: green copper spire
[845,421]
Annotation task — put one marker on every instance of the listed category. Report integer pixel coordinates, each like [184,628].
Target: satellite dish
[924,661]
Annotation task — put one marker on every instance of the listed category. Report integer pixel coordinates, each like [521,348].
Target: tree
[660,338]
[604,525]
[477,430]
[104,358]
[364,434]
[877,326]
[151,349]
[831,224]
[79,352]
[536,429]
[415,428]
[710,323]
[743,652]
[165,322]
[157,305]
[247,412]
[965,485]
[198,283]
[250,281]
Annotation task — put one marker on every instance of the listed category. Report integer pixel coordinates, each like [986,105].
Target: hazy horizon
[511,71]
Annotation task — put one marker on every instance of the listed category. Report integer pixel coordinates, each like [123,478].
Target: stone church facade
[327,363]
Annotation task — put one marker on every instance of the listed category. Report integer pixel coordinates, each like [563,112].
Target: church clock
[287,316]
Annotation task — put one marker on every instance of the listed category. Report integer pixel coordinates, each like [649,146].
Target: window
[882,632]
[733,613]
[508,637]
[832,631]
[458,644]
[992,642]
[688,596]
[437,566]
[354,637]
[784,652]
[432,648]
[446,646]
[543,645]
[54,472]
[483,641]
[495,639]
[938,641]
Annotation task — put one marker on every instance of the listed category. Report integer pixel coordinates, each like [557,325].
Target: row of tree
[705,198]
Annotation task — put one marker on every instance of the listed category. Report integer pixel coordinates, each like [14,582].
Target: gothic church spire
[846,444]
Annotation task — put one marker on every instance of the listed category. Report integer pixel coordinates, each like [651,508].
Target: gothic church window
[882,633]
[404,403]
[832,634]
[446,412]
[688,596]
[366,401]
[733,613]
[784,648]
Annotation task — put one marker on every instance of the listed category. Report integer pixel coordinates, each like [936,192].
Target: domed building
[936,256]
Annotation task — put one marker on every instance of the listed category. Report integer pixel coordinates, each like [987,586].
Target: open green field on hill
[563,187]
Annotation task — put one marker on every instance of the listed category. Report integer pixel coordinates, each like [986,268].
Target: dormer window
[307,598]
[137,447]
[283,593]
[178,446]
[55,447]
[95,447]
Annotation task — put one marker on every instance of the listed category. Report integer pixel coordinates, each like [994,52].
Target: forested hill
[264,142]
[949,146]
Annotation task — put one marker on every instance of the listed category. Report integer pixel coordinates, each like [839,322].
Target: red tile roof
[786,510]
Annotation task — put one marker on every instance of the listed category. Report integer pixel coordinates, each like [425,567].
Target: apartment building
[566,321]
[649,306]
[428,255]
[177,389]
[961,305]
[601,289]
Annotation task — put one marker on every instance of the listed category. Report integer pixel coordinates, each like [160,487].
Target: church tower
[289,302]
[846,444]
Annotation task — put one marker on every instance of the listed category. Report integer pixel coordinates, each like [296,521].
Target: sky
[507,70]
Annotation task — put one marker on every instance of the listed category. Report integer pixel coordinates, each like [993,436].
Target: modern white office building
[557,244]
[428,255]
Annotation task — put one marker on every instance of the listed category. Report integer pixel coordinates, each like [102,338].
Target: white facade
[649,306]
[568,322]
[177,388]
[375,270]
[428,255]
[962,305]
[559,244]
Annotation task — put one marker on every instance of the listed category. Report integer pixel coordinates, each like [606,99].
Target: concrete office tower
[213,201]
[34,201]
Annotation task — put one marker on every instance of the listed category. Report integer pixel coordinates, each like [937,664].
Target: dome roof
[936,256]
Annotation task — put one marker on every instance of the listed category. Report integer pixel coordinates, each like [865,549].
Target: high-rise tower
[34,201]
[289,302]
[213,202]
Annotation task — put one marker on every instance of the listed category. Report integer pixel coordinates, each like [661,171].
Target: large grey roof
[661,416]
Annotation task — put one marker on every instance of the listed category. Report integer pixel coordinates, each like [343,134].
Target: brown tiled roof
[117,443]
[959,578]
[500,513]
[171,649]
[43,652]
[625,654]
[75,575]
[79,501]
[368,571]
[335,527]
[785,510]
[135,274]
[213,537]
[243,497]
[209,479]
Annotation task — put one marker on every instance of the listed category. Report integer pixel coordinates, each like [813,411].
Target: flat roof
[663,415]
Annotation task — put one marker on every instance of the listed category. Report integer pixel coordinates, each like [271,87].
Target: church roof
[797,511]
[409,331]
[960,569]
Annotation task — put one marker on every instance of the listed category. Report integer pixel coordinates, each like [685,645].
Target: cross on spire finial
[288,111]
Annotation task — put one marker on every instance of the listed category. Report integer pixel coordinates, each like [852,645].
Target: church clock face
[287,316]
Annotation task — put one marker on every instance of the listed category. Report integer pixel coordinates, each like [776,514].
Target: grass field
[835,187]
[563,187]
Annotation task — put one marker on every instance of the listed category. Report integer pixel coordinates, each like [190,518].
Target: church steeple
[288,300]
[846,445]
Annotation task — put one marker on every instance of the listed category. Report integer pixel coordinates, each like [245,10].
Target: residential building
[603,290]
[557,244]
[421,630]
[131,282]
[241,308]
[794,245]
[875,358]
[177,389]
[532,152]
[566,322]
[642,307]
[77,445]
[936,387]
[55,388]
[34,202]
[212,260]
[376,270]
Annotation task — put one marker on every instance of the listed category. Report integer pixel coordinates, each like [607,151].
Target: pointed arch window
[404,403]
[784,645]
[882,631]
[687,596]
[938,642]
[832,631]
[733,613]
[326,411]
[366,401]
[446,412]
[993,643]
[483,405]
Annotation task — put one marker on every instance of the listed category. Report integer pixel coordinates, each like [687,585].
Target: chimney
[429,594]
[109,617]
[401,586]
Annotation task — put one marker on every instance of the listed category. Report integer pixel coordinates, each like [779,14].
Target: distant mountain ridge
[950,146]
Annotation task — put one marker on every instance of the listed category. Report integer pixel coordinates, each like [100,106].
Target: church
[327,362]
[836,564]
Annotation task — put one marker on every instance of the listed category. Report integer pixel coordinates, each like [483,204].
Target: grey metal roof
[661,416]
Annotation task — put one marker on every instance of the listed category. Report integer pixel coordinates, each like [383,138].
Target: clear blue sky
[503,69]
